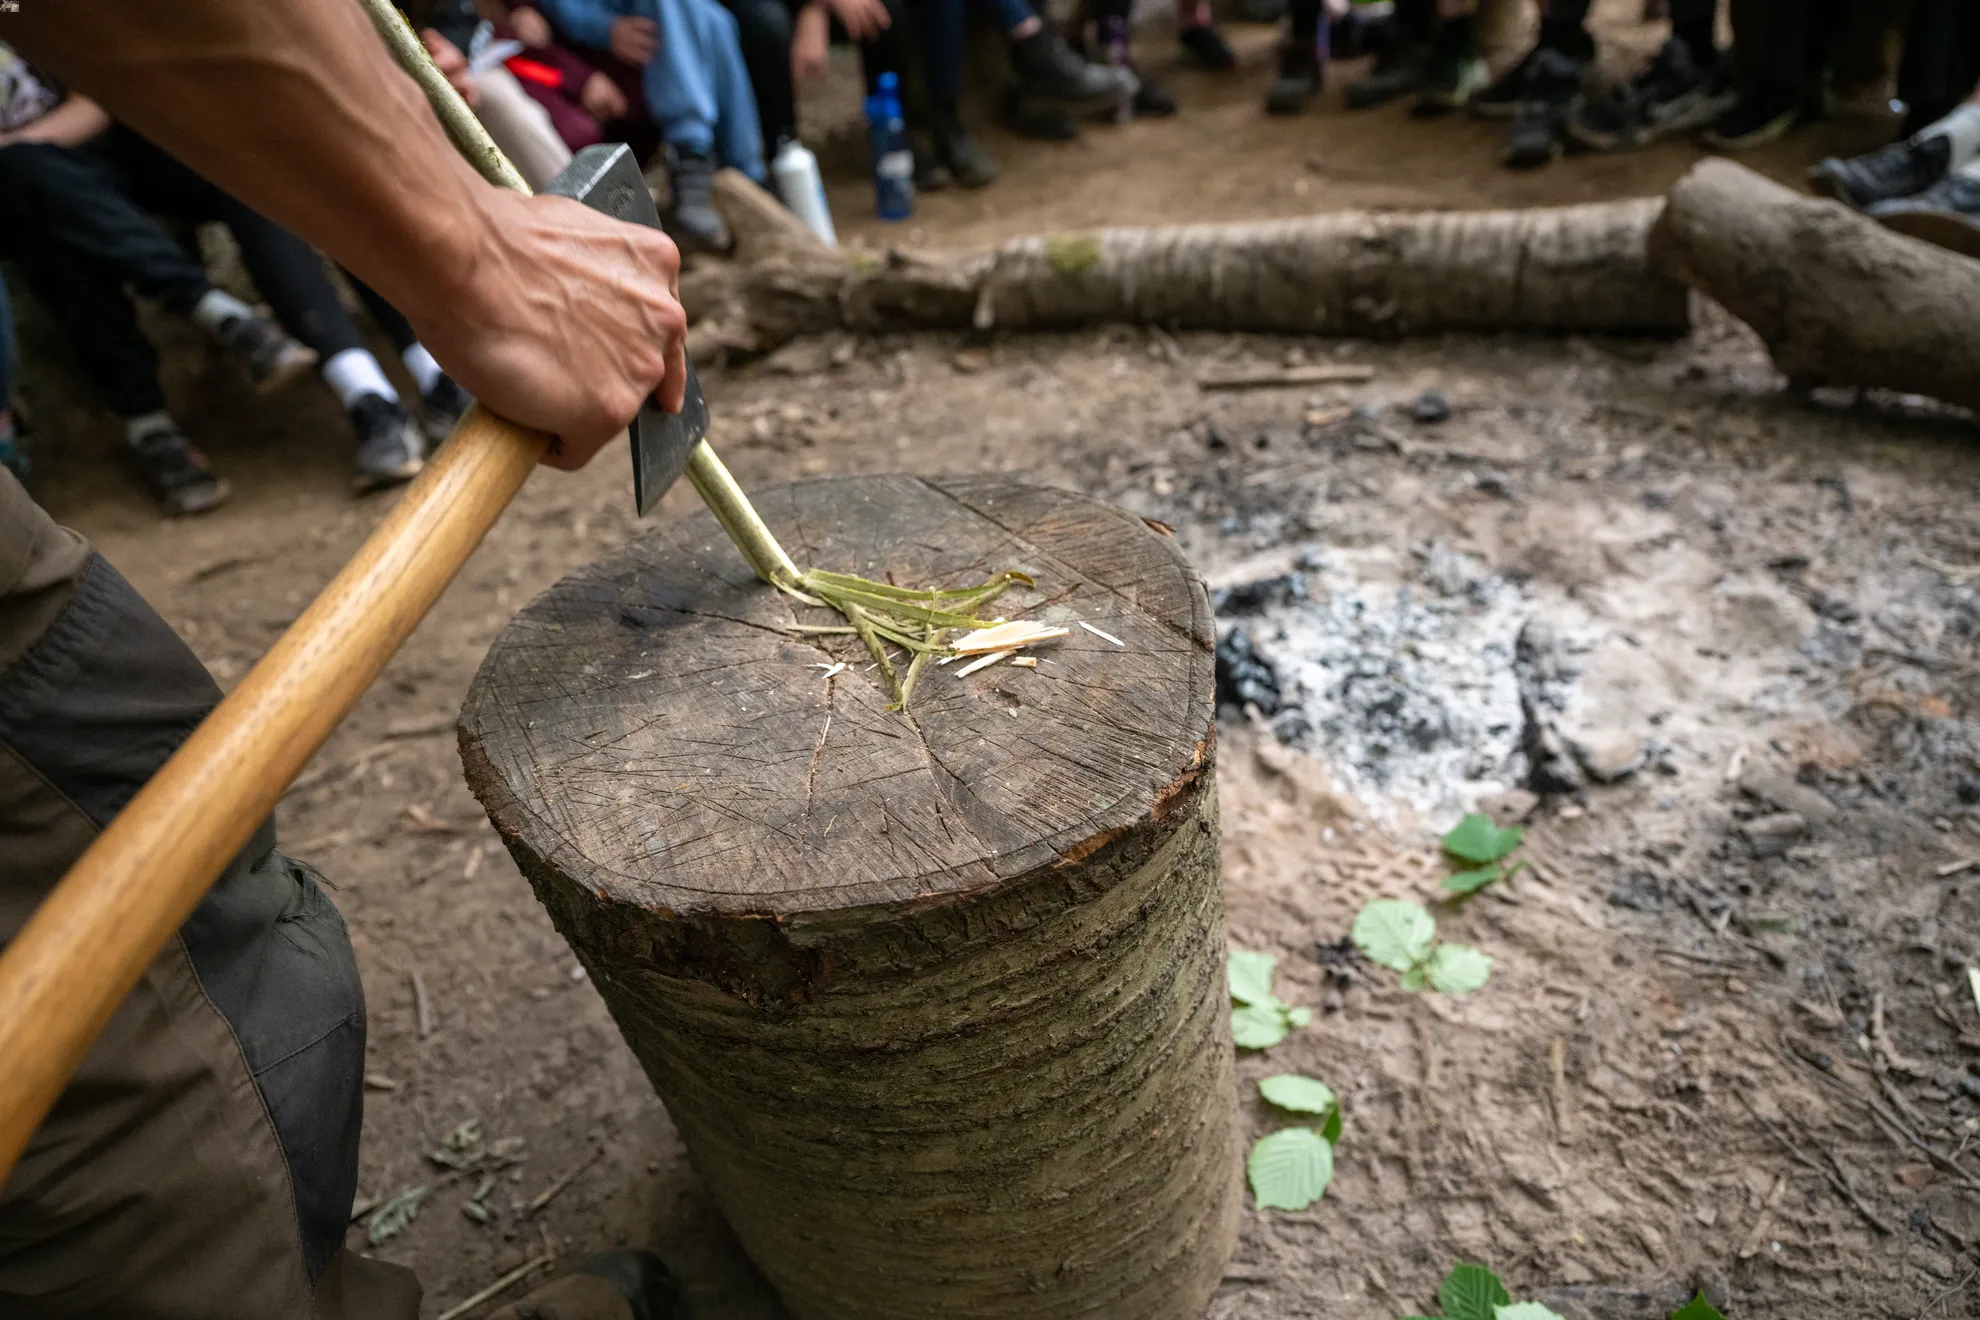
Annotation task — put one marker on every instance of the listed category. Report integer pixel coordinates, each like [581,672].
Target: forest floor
[1729,1036]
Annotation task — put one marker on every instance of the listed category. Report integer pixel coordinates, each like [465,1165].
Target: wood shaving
[831,671]
[1026,662]
[983,662]
[1103,636]
[1005,637]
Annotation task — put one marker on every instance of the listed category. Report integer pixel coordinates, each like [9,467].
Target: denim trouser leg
[697,87]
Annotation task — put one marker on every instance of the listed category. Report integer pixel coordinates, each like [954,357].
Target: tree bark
[1352,273]
[1838,299]
[936,999]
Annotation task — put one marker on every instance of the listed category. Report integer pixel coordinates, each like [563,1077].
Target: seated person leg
[1948,211]
[1687,86]
[1783,48]
[926,36]
[1114,20]
[763,31]
[441,401]
[1563,35]
[1048,70]
[1402,47]
[1915,164]
[1301,70]
[1196,28]
[520,127]
[1456,75]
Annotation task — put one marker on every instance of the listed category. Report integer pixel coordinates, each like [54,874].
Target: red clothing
[562,99]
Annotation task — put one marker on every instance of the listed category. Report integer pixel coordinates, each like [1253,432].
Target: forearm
[69,124]
[284,105]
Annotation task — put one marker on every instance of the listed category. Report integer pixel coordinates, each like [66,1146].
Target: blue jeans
[697,88]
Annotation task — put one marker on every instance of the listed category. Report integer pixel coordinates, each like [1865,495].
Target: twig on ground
[501,1285]
[550,1193]
[1832,1176]
[1255,378]
[1764,1220]
[422,1009]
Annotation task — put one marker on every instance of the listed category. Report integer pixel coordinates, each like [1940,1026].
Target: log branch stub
[935,998]
[1838,299]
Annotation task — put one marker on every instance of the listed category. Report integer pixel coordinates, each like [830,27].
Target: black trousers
[1941,59]
[765,28]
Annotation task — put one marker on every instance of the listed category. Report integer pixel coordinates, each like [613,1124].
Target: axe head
[607,178]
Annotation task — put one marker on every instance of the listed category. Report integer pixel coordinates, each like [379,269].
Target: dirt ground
[1717,1046]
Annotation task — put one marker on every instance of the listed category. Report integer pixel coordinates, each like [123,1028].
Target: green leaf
[1697,1309]
[1472,1292]
[1525,1311]
[1257,1026]
[1395,934]
[1301,1095]
[1299,1017]
[1470,882]
[1416,977]
[1251,976]
[1331,1129]
[1290,1169]
[1478,841]
[390,1220]
[1458,969]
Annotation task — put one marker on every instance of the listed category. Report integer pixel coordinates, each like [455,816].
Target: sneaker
[1398,72]
[930,174]
[1553,90]
[1754,122]
[1454,78]
[1676,94]
[1947,213]
[1152,101]
[637,1277]
[692,220]
[442,407]
[1042,121]
[1300,77]
[961,156]
[1206,45]
[264,352]
[389,448]
[1502,98]
[1902,169]
[1047,70]
[180,478]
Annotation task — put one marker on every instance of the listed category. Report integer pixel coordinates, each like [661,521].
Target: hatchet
[64,974]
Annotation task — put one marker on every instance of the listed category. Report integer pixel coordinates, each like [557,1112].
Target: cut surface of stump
[935,997]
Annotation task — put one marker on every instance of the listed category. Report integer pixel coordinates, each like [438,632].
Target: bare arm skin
[69,124]
[548,312]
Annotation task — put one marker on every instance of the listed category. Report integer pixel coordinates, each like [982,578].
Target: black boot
[1299,81]
[959,151]
[1047,69]
[692,220]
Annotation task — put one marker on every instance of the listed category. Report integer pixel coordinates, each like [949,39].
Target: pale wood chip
[1103,636]
[1006,636]
[983,662]
[1026,662]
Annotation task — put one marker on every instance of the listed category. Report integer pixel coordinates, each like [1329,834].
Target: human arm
[453,65]
[69,124]
[862,19]
[532,29]
[811,42]
[550,313]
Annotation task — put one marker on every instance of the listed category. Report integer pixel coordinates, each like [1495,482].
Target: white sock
[147,424]
[1970,170]
[425,371]
[1963,127]
[353,374]
[215,308]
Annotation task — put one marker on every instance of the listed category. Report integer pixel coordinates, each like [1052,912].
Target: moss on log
[935,998]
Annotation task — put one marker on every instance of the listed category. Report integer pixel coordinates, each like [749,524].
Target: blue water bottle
[893,159]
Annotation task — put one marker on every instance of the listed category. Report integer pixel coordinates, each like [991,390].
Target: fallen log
[935,997]
[1575,268]
[1838,299]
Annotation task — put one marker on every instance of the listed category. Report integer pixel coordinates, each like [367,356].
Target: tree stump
[936,998]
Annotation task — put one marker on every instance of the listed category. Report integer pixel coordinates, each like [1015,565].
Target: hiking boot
[1502,99]
[180,478]
[1902,169]
[930,174]
[1754,121]
[264,352]
[1047,70]
[1676,94]
[692,220]
[633,1284]
[1042,121]
[389,447]
[1947,213]
[1206,45]
[1553,90]
[1398,72]
[1455,76]
[958,152]
[1300,77]
[1152,101]
[442,407]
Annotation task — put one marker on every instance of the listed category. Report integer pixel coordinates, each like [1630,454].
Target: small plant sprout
[1260,1020]
[1697,1309]
[1402,937]
[1483,849]
[1303,1095]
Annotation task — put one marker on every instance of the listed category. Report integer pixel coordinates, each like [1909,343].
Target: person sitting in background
[78,184]
[1303,57]
[1927,185]
[459,40]
[1051,78]
[1401,40]
[1783,75]
[696,87]
[1455,74]
[580,99]
[1685,88]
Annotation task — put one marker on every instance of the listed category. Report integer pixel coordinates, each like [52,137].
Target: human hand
[562,319]
[531,28]
[862,19]
[634,40]
[602,99]
[452,64]
[811,43]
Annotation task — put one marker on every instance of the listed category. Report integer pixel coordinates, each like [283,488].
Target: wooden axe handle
[88,943]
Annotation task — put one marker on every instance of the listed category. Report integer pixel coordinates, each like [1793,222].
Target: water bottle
[893,159]
[796,171]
